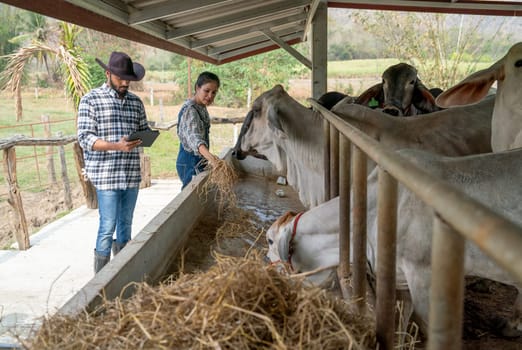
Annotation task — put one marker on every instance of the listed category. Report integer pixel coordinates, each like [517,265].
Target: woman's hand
[211,159]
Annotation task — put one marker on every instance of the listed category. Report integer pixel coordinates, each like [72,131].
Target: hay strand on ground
[239,303]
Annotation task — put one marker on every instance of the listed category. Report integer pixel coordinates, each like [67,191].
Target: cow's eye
[518,63]
[270,241]
[412,82]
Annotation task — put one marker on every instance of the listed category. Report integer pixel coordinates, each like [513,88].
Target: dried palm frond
[75,70]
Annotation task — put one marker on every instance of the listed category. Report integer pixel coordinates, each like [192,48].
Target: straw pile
[222,177]
[237,304]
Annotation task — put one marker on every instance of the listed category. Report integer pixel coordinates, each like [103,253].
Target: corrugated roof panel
[220,31]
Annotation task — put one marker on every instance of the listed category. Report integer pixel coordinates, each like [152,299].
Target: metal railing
[457,217]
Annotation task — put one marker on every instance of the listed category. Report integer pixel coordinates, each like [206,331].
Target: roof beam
[248,42]
[311,14]
[169,8]
[484,8]
[297,55]
[258,48]
[250,29]
[235,18]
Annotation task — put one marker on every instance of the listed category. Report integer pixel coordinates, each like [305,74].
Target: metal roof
[221,31]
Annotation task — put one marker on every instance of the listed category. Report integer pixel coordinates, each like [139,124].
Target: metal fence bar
[498,237]
[359,234]
[326,134]
[386,258]
[344,207]
[334,162]
[447,288]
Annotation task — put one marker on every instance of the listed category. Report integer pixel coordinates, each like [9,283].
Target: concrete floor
[37,282]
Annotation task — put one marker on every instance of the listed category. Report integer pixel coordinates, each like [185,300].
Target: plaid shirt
[194,127]
[102,115]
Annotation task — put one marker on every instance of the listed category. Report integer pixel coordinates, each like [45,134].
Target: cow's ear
[283,245]
[373,97]
[422,99]
[274,118]
[472,89]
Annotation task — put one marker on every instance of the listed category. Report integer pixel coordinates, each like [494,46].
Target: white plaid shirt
[102,115]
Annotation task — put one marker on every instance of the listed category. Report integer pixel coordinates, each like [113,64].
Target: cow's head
[262,131]
[401,93]
[278,238]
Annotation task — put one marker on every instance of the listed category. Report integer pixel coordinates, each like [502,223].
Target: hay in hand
[237,304]
[222,178]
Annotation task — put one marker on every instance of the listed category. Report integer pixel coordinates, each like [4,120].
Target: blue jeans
[116,208]
[188,165]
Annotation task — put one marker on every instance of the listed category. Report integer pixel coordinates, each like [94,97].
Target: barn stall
[234,30]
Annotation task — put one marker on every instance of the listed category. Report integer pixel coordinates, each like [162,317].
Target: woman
[194,128]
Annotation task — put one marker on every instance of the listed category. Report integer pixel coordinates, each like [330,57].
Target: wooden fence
[8,146]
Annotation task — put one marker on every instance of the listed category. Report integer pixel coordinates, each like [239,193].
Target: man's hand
[127,146]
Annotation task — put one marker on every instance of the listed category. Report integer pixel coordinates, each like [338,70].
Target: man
[106,116]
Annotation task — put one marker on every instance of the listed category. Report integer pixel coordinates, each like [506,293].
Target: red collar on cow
[290,243]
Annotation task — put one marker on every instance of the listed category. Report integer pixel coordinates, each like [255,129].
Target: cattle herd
[467,137]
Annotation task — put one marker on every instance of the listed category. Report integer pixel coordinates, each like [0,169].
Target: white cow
[507,114]
[290,135]
[493,179]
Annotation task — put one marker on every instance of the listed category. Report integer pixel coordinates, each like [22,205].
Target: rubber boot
[116,247]
[100,261]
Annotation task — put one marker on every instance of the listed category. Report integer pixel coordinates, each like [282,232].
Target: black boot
[100,261]
[116,247]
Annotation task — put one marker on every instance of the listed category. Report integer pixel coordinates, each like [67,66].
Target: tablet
[147,137]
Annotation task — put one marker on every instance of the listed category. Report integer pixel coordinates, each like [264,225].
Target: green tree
[9,28]
[35,28]
[444,48]
[258,73]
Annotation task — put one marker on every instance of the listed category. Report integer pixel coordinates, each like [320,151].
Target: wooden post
[65,178]
[145,169]
[15,199]
[51,173]
[91,200]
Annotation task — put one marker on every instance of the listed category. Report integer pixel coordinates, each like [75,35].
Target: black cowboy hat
[121,65]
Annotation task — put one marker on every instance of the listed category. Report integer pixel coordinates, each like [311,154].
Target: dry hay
[240,223]
[239,303]
[222,178]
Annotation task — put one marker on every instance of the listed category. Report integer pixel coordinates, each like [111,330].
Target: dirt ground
[40,208]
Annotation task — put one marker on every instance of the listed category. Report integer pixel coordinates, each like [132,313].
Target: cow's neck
[304,155]
[506,124]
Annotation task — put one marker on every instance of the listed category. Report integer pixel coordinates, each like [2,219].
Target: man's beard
[120,93]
